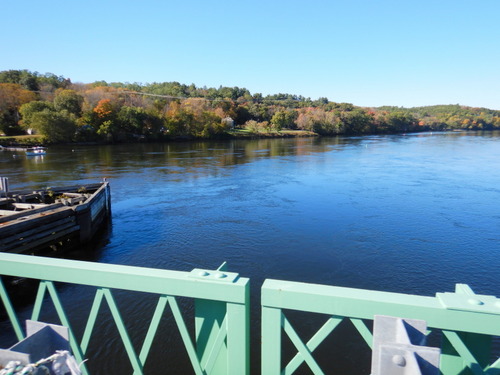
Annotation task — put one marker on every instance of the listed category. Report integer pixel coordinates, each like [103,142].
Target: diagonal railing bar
[89,327]
[494,368]
[49,286]
[363,330]
[228,351]
[301,347]
[209,363]
[464,352]
[134,360]
[313,343]
[186,338]
[40,295]
[11,312]
[153,327]
[467,323]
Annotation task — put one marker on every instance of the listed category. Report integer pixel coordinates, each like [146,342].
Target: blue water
[411,213]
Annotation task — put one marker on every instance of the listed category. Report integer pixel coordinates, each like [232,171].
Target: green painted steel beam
[230,288]
[272,321]
[226,349]
[365,304]
[238,337]
[11,312]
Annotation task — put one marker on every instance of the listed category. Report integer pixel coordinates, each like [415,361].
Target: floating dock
[35,220]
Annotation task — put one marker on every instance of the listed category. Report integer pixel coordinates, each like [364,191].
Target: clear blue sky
[365,52]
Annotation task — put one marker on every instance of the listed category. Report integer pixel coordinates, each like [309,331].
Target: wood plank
[75,188]
[5,201]
[18,214]
[28,206]
[24,197]
[44,241]
[57,190]
[70,201]
[73,195]
[26,222]
[54,226]
[98,205]
[7,212]
[48,232]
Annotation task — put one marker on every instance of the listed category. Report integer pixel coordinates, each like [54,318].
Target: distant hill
[63,111]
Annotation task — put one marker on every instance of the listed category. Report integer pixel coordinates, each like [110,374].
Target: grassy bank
[245,133]
[25,140]
[37,140]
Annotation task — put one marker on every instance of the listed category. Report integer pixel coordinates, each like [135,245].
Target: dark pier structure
[31,221]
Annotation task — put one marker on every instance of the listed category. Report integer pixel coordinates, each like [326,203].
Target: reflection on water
[192,159]
[410,213]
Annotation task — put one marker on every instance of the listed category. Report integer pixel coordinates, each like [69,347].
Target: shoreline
[9,142]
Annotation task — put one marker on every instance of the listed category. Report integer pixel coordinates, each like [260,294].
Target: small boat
[36,151]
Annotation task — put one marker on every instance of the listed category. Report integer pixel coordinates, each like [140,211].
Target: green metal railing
[220,341]
[221,344]
[467,322]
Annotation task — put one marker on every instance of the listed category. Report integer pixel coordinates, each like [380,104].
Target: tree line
[63,111]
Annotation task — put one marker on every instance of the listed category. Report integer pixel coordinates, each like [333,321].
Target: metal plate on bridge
[214,275]
[474,303]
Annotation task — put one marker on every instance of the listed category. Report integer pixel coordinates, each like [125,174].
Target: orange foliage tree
[104,109]
[12,96]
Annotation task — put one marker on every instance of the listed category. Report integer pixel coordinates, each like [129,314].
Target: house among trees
[229,122]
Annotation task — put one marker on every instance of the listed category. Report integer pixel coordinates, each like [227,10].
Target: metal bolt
[475,301]
[203,273]
[399,360]
[220,275]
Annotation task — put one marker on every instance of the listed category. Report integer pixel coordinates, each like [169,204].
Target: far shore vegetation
[46,108]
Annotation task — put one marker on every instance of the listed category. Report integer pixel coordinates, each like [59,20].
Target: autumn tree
[284,119]
[104,109]
[28,110]
[400,122]
[138,121]
[53,125]
[24,78]
[106,116]
[357,121]
[213,127]
[93,95]
[320,121]
[68,100]
[179,122]
[12,96]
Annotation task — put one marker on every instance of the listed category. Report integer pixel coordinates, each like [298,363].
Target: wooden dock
[33,221]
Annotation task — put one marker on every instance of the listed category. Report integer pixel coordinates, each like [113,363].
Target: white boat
[36,151]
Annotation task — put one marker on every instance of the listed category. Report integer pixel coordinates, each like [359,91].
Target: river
[412,213]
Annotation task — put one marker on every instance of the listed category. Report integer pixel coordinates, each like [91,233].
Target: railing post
[271,340]
[221,302]
[222,329]
[209,318]
[478,345]
[238,337]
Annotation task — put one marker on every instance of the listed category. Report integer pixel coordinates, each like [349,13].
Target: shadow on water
[22,291]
